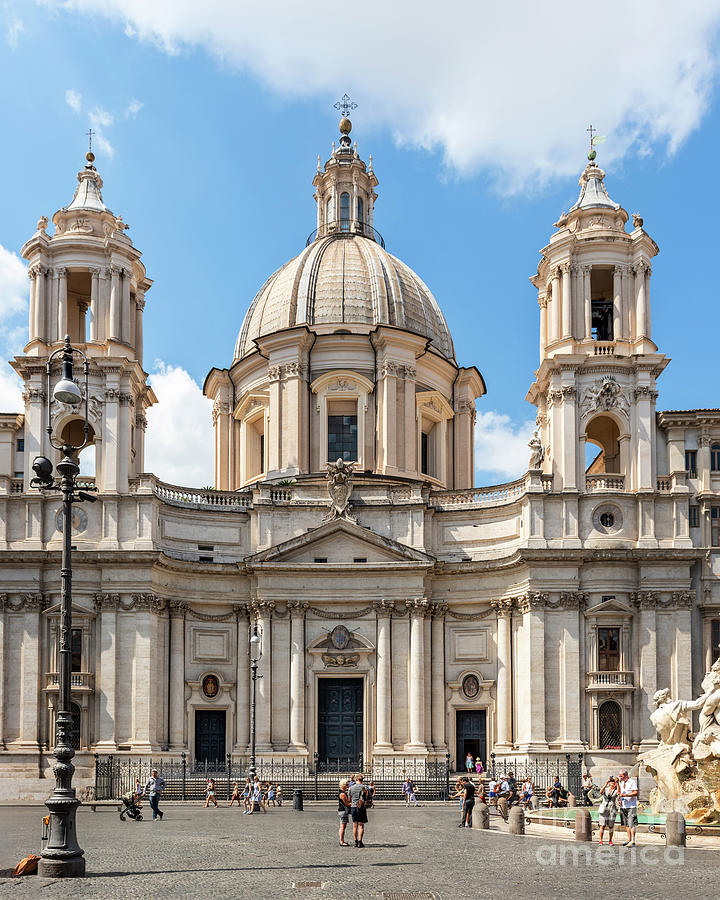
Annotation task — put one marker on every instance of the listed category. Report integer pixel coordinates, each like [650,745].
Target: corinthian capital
[383,608]
[504,606]
[297,608]
[532,600]
[261,609]
[106,601]
[418,606]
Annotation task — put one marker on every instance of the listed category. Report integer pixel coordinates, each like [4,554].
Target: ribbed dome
[344,280]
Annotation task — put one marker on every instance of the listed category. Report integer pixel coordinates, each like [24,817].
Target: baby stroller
[130,808]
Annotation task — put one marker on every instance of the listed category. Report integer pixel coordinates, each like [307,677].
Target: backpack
[368,799]
[27,866]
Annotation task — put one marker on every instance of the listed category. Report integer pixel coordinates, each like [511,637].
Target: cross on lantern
[90,134]
[345,105]
[591,131]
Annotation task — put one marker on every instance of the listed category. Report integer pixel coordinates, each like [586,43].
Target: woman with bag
[607,811]
[343,810]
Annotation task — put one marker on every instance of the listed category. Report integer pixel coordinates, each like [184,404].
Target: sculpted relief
[605,394]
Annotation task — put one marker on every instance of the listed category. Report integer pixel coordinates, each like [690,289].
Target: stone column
[648,313]
[383,743]
[94,301]
[41,302]
[646,621]
[567,302]
[3,604]
[617,304]
[262,612]
[176,700]
[683,601]
[555,311]
[32,275]
[63,321]
[140,304]
[125,276]
[532,673]
[242,681]
[640,301]
[644,421]
[438,676]
[273,439]
[411,436]
[106,681]
[628,306]
[503,702]
[388,428]
[573,689]
[417,609]
[542,302]
[115,303]
[297,674]
[587,301]
[144,708]
[29,675]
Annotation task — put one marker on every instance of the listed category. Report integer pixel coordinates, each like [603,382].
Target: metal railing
[541,770]
[604,482]
[349,228]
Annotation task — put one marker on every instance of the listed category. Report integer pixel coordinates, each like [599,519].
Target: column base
[533,747]
[300,749]
[105,747]
[384,748]
[415,748]
[62,868]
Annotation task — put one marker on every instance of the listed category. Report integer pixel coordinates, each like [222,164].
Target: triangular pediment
[341,543]
[612,606]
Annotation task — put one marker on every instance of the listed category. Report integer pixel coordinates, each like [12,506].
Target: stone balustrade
[485,496]
[604,482]
[194,497]
[603,680]
[664,484]
[79,681]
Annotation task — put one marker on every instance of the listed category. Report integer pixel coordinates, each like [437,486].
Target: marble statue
[686,766]
[537,454]
[339,476]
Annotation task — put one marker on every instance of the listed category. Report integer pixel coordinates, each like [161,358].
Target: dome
[342,280]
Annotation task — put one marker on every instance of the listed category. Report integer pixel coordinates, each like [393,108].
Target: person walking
[247,797]
[235,795]
[407,790]
[468,802]
[154,787]
[210,793]
[357,793]
[628,806]
[344,804]
[607,811]
[413,793]
[478,767]
[469,763]
[256,797]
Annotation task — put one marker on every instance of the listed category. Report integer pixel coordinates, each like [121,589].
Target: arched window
[361,213]
[715,457]
[609,726]
[75,727]
[345,211]
[602,446]
[328,211]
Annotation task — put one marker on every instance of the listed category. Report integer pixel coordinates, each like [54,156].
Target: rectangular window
[715,458]
[694,517]
[21,445]
[206,559]
[342,438]
[262,454]
[425,453]
[320,559]
[76,650]
[207,548]
[360,559]
[715,639]
[608,649]
[18,475]
[691,463]
[715,526]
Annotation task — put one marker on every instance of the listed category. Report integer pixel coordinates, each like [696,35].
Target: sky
[209,118]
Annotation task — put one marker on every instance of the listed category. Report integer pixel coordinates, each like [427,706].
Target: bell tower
[595,387]
[87,281]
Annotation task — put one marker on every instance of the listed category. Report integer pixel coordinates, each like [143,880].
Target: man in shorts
[358,795]
[628,806]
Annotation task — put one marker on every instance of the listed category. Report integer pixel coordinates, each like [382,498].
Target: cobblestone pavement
[199,853]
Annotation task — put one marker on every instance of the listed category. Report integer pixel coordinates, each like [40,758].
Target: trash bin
[298,799]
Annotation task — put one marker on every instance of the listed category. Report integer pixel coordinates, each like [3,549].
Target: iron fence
[188,781]
[541,770]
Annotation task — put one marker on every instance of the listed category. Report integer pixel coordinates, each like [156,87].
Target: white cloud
[13,29]
[179,439]
[506,87]
[501,447]
[133,108]
[14,291]
[74,100]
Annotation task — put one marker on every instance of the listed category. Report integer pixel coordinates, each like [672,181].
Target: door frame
[335,676]
[368,712]
[460,763]
[207,709]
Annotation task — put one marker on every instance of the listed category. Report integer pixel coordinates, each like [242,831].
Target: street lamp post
[62,856]
[255,654]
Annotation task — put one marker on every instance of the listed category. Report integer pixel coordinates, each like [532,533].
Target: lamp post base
[62,868]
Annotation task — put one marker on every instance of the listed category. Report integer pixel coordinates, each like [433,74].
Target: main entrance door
[471,735]
[210,736]
[340,721]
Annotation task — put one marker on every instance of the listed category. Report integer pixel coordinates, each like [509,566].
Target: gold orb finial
[90,156]
[345,125]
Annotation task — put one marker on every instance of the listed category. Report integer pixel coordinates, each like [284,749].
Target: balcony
[80,682]
[603,482]
[604,681]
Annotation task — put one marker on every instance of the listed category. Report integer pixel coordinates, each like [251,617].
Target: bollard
[502,808]
[675,830]
[481,817]
[516,820]
[298,799]
[571,800]
[583,825]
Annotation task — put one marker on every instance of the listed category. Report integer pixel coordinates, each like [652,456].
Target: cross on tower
[90,134]
[591,131]
[345,105]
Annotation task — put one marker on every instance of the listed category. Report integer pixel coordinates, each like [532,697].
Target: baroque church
[402,611]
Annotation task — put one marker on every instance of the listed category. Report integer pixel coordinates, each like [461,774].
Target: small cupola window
[345,211]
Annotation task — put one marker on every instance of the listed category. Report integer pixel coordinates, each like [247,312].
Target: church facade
[403,612]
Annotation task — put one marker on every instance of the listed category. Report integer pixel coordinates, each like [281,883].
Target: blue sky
[210,119]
